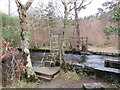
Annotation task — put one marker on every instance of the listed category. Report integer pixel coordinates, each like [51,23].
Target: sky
[90,10]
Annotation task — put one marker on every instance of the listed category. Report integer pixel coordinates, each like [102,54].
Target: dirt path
[60,82]
[101,49]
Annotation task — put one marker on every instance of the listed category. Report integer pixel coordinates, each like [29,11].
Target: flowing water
[95,61]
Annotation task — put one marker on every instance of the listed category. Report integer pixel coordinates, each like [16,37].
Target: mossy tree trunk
[25,36]
[77,28]
[63,64]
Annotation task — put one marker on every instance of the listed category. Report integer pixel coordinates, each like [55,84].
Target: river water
[95,61]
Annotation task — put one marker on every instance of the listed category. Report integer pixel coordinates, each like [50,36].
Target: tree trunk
[9,7]
[77,24]
[25,38]
[63,65]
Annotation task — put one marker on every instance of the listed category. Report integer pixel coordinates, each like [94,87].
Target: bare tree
[77,8]
[67,9]
[25,35]
[9,7]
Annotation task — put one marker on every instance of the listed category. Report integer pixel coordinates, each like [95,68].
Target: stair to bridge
[54,51]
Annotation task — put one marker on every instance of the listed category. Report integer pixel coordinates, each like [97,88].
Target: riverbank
[69,79]
[109,51]
[73,80]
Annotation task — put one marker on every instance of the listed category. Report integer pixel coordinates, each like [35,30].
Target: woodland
[33,29]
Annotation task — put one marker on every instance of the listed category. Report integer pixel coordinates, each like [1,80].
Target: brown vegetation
[91,27]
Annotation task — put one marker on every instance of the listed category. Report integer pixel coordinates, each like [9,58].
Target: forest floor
[72,80]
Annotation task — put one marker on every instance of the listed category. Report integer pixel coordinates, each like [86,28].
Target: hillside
[91,27]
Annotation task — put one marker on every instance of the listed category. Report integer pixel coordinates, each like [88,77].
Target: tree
[78,6]
[25,36]
[67,10]
[114,7]
[110,4]
[100,11]
[9,7]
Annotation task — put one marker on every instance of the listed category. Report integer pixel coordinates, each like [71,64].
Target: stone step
[44,78]
[44,75]
[93,86]
[47,71]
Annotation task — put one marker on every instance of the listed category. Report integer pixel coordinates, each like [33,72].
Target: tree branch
[82,6]
[63,2]
[58,9]
[88,3]
[28,4]
[71,9]
[78,6]
[18,3]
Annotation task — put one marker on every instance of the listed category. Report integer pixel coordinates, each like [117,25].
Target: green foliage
[110,4]
[110,30]
[11,33]
[116,14]
[114,7]
[100,12]
[81,73]
[8,20]
[10,28]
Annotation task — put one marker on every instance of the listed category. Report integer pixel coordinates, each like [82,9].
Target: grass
[8,20]
[22,84]
[70,76]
